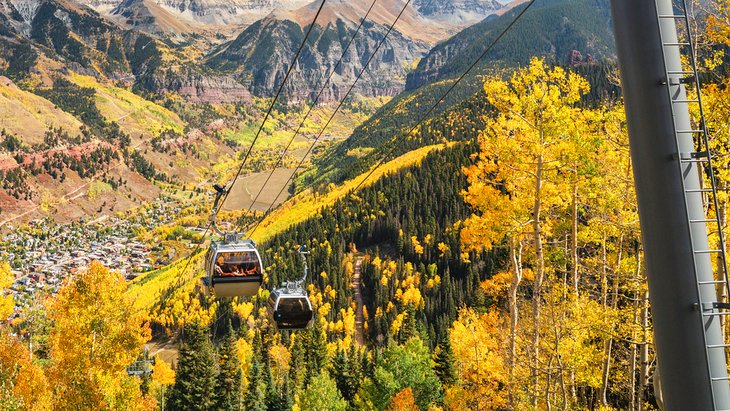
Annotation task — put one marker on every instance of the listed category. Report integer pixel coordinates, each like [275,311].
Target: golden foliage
[32,114]
[96,334]
[280,358]
[245,355]
[523,152]
[132,112]
[305,205]
[163,376]
[476,342]
[7,303]
[718,23]
[25,380]
[148,288]
[403,401]
[163,373]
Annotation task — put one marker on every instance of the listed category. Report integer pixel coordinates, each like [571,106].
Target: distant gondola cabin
[290,308]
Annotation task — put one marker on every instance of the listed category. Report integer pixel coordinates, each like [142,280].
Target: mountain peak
[150,17]
[453,11]
[205,12]
[411,23]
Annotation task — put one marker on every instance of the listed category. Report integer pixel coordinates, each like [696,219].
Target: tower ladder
[713,302]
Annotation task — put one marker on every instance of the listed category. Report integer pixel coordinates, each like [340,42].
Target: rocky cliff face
[261,54]
[102,6]
[197,88]
[217,12]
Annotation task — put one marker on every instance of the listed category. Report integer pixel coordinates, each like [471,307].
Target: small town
[44,254]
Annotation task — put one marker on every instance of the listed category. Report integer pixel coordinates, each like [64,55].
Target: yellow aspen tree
[716,99]
[280,359]
[718,23]
[613,229]
[6,301]
[476,343]
[518,179]
[574,330]
[403,401]
[96,334]
[22,383]
[163,376]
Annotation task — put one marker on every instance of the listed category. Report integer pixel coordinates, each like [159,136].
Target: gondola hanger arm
[220,191]
[303,253]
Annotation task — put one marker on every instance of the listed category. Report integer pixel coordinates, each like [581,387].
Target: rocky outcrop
[102,6]
[200,89]
[26,8]
[19,14]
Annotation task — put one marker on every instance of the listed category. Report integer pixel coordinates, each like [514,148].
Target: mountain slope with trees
[555,29]
[567,23]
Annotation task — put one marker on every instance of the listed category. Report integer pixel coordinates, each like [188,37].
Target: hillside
[48,35]
[305,206]
[82,147]
[552,28]
[554,17]
[85,97]
[297,210]
[32,115]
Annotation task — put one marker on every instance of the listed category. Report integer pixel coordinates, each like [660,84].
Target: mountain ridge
[260,56]
[207,12]
[580,25]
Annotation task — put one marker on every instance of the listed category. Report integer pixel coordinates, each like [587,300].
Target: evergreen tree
[228,386]
[256,395]
[340,372]
[358,361]
[408,329]
[346,370]
[297,363]
[316,350]
[271,392]
[444,360]
[196,372]
[282,400]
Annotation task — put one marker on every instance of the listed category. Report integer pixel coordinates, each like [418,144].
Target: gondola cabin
[290,307]
[234,267]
